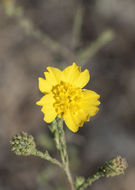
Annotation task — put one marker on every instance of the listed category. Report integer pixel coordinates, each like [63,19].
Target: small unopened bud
[79,181]
[23,144]
[114,167]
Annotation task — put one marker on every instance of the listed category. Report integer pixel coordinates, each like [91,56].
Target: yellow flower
[65,97]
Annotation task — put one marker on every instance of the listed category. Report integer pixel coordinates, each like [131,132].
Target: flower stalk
[24,144]
[89,181]
[114,167]
[47,157]
[59,137]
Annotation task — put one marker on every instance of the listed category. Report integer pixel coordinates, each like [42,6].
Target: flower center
[66,97]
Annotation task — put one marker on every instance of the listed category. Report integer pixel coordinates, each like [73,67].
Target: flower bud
[114,167]
[23,144]
[79,181]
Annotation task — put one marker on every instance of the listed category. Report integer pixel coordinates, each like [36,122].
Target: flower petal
[44,85]
[47,102]
[71,73]
[53,76]
[68,118]
[82,79]
[89,102]
[80,117]
[91,96]
[42,101]
[74,76]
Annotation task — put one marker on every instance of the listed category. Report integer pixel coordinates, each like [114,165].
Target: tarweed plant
[66,101]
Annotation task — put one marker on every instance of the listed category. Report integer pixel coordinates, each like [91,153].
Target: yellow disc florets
[66,97]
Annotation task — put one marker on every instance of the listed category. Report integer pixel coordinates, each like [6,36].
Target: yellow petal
[47,102]
[53,76]
[42,101]
[71,73]
[93,110]
[74,76]
[82,79]
[68,118]
[44,85]
[80,117]
[89,102]
[91,95]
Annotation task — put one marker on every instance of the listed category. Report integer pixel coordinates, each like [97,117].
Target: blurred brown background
[36,34]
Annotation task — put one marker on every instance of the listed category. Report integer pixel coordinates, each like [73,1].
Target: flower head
[65,97]
[23,144]
[116,166]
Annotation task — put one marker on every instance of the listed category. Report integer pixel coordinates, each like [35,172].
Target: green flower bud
[23,144]
[53,126]
[79,181]
[114,167]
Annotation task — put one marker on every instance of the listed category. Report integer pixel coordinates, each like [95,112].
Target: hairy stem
[63,152]
[90,180]
[47,156]
[69,176]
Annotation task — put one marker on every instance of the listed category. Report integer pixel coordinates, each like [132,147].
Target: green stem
[90,180]
[63,152]
[77,25]
[63,148]
[69,176]
[13,10]
[87,53]
[47,157]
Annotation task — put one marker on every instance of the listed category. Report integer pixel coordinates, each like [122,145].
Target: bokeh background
[98,35]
